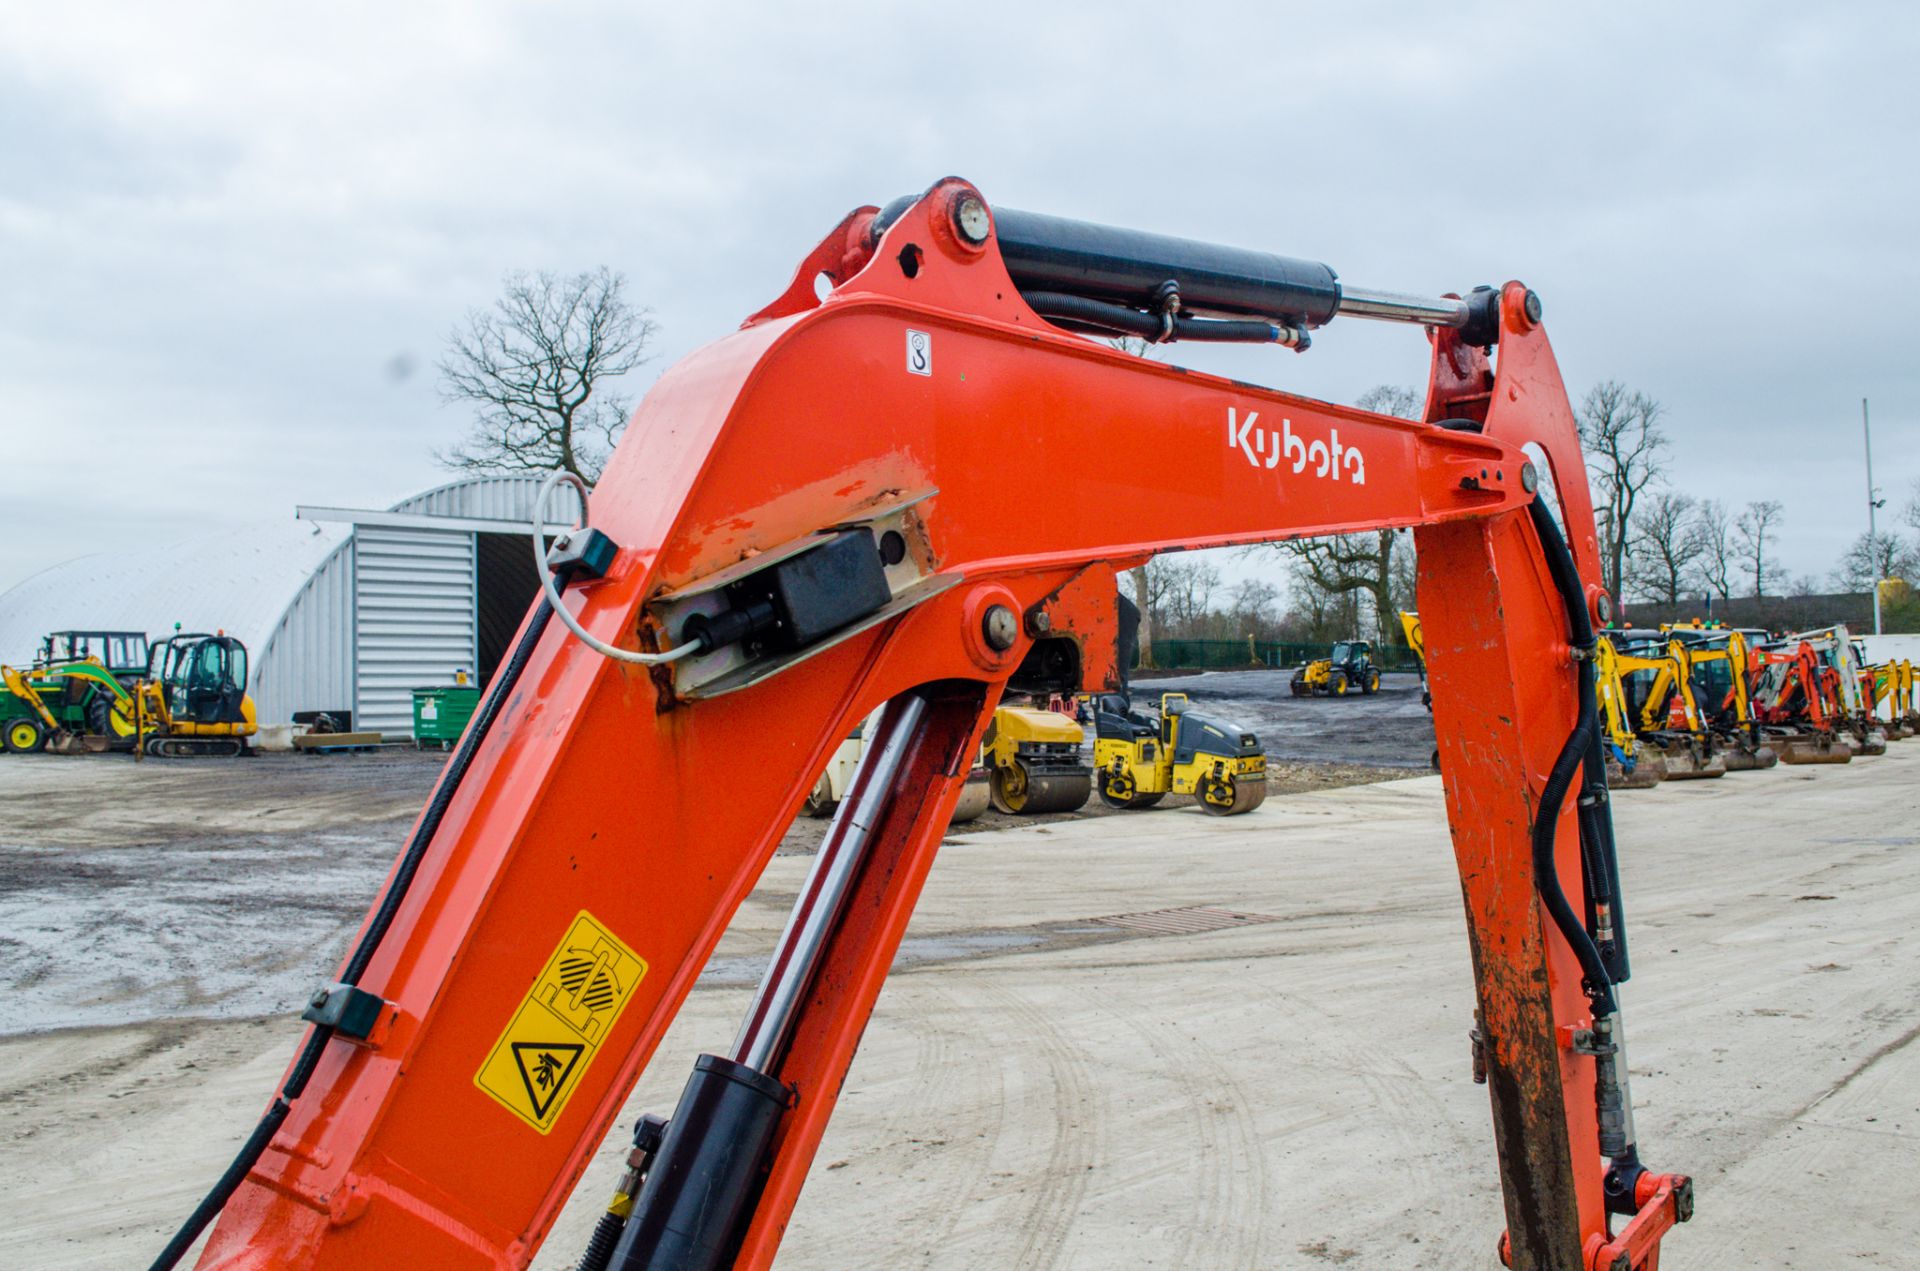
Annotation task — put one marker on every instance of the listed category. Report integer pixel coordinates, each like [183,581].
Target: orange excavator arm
[816,518]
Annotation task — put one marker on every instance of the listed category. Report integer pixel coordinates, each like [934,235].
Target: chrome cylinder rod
[764,1034]
[1394,306]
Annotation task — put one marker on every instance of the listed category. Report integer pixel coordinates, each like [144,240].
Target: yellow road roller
[1139,760]
[979,792]
[1033,762]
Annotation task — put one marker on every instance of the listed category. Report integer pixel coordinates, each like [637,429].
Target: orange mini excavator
[812,519]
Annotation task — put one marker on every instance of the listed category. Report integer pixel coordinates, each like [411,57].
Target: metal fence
[1226,655]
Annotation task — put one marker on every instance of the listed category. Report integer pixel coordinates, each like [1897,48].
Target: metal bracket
[350,1011]
[1581,1041]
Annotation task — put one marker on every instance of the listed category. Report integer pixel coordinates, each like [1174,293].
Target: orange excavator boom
[812,519]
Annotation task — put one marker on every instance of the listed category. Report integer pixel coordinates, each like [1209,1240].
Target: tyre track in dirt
[1078,1127]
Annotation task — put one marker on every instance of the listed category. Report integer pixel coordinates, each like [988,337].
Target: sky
[234,237]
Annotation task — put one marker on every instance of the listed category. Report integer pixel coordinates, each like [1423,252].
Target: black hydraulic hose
[1579,750]
[356,966]
[1121,320]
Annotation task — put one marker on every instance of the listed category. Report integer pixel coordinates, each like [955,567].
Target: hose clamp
[1166,302]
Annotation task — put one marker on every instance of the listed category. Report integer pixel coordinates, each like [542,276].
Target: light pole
[1874,504]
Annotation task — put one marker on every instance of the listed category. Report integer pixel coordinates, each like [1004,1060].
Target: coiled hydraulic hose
[1581,749]
[369,944]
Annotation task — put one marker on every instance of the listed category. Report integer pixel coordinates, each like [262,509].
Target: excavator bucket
[1871,741]
[1651,770]
[1745,756]
[1802,748]
[1687,763]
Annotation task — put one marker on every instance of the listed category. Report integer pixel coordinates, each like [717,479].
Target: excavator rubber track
[196,747]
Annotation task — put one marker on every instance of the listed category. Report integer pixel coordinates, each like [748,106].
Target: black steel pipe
[1127,267]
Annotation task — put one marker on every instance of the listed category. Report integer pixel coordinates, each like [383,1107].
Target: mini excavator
[1632,763]
[733,591]
[1892,689]
[1719,668]
[1796,700]
[1679,698]
[1840,661]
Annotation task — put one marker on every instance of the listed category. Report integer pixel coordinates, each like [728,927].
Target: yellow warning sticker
[544,1051]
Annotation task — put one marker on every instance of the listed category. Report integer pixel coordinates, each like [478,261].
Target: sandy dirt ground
[1041,1088]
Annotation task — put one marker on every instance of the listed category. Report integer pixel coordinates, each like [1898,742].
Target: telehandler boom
[811,519]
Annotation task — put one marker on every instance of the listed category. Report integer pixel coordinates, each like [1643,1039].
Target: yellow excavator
[1717,670]
[1664,713]
[192,702]
[1630,764]
[1139,759]
[1893,690]
[1417,641]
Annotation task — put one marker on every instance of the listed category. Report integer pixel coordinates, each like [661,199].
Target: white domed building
[342,610]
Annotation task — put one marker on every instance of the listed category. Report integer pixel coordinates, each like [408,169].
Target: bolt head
[970,219]
[1039,623]
[1531,304]
[1529,478]
[1603,608]
[1000,627]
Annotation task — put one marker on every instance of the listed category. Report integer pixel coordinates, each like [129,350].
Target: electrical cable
[553,595]
[356,965]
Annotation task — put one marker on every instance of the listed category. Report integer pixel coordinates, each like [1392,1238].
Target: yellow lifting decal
[537,1064]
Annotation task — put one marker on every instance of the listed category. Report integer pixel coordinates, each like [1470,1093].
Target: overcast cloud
[228,230]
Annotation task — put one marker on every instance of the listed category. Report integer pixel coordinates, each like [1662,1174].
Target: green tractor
[71,689]
[1348,669]
[186,696]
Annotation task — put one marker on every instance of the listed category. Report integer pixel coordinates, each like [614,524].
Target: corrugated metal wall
[413,619]
[494,498]
[307,662]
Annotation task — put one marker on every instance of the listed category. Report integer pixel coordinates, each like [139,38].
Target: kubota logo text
[1266,447]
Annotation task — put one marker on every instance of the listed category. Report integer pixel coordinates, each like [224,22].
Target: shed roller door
[413,619]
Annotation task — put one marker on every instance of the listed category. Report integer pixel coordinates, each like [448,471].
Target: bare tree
[1391,399]
[1750,540]
[1179,592]
[1667,543]
[1621,434]
[1873,557]
[1360,565]
[535,366]
[1375,566]
[1714,530]
[1912,512]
